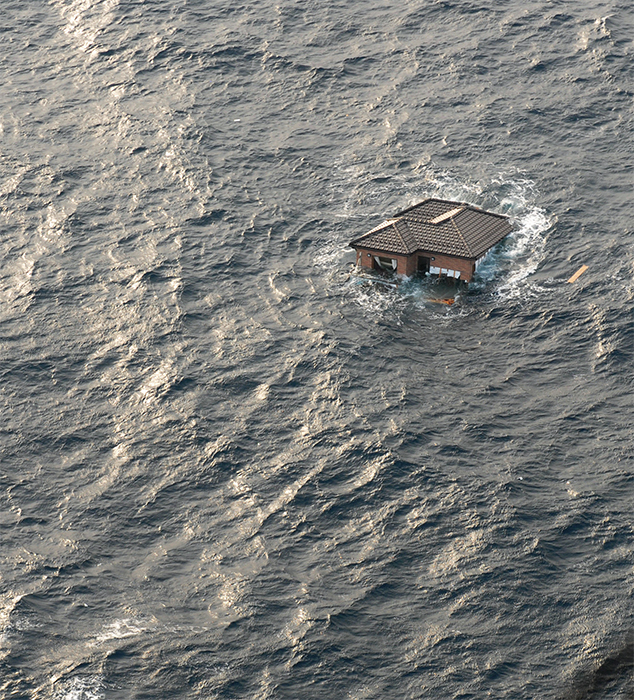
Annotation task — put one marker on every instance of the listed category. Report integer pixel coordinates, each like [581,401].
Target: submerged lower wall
[408,264]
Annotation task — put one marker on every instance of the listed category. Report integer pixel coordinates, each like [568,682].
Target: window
[385,263]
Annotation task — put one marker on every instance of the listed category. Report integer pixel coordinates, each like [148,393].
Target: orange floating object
[578,274]
[449,302]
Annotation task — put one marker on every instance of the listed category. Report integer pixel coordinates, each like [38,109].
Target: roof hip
[464,240]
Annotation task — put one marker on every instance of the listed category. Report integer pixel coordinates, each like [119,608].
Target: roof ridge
[474,207]
[467,246]
[400,235]
[447,215]
[383,224]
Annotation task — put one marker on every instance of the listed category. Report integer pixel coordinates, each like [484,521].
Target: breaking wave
[504,273]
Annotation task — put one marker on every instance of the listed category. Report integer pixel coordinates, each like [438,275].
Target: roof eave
[380,250]
[418,250]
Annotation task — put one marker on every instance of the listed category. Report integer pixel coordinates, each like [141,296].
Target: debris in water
[578,274]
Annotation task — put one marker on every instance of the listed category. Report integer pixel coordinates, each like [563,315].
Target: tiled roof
[438,226]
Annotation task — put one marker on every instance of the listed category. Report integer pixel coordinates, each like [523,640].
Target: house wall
[466,266]
[408,264]
[365,258]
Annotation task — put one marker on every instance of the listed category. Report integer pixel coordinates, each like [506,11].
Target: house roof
[438,226]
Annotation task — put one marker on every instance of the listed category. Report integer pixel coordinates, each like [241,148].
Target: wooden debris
[578,274]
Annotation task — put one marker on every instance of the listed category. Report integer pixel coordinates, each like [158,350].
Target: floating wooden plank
[449,302]
[578,274]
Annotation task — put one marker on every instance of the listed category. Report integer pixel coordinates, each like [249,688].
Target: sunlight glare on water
[236,466]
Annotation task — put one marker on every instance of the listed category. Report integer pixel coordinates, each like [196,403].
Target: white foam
[518,257]
[375,297]
[80,688]
[119,629]
[507,268]
[8,601]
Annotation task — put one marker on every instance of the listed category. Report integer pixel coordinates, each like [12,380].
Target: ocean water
[231,465]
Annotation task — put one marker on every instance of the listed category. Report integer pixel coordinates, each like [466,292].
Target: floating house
[436,236]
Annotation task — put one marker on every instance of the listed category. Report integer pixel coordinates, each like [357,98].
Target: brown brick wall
[412,265]
[407,265]
[466,267]
[363,260]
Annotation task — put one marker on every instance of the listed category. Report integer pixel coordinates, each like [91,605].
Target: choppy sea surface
[231,466]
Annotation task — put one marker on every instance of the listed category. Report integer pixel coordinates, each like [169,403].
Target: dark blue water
[231,466]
